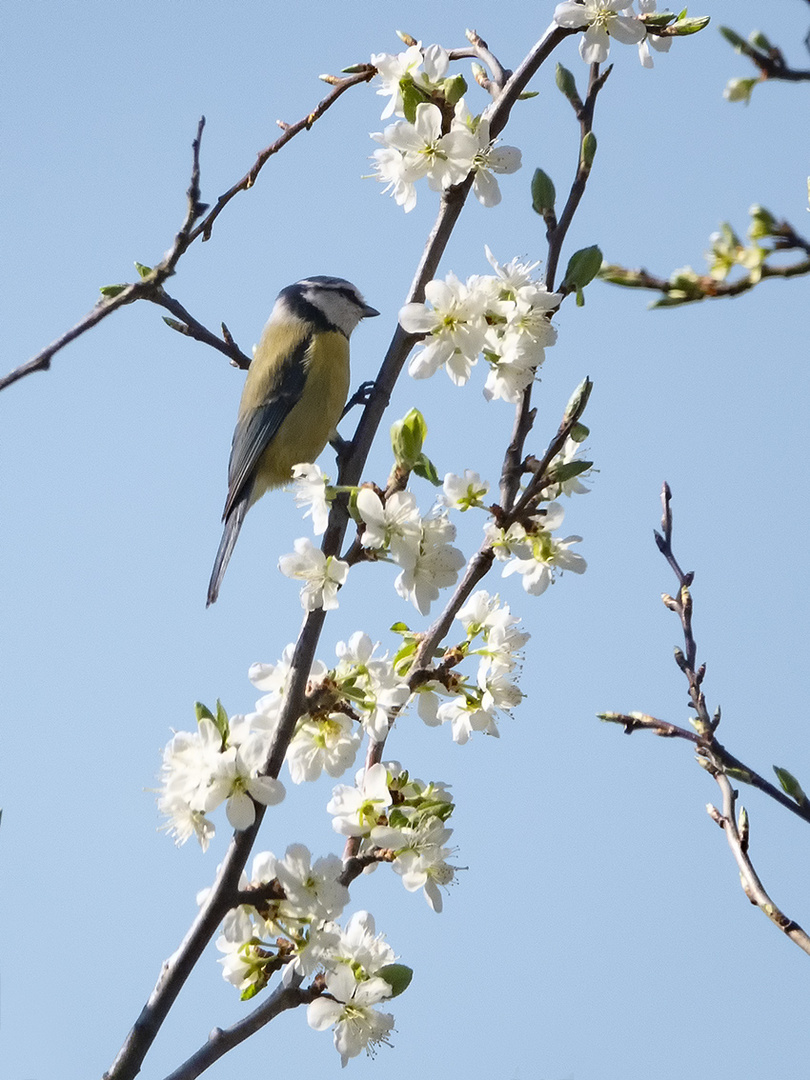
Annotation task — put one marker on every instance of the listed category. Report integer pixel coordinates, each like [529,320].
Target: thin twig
[525,414]
[191,327]
[585,118]
[220,1041]
[290,131]
[771,62]
[737,769]
[752,886]
[146,288]
[702,287]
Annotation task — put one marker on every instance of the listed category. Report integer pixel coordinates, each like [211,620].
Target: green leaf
[583,266]
[579,433]
[425,468]
[543,193]
[762,224]
[411,97]
[397,818]
[659,18]
[144,271]
[398,977]
[454,89]
[111,290]
[528,94]
[202,712]
[684,27]
[791,786]
[221,720]
[568,471]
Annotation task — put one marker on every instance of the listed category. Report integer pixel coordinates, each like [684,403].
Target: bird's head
[330,303]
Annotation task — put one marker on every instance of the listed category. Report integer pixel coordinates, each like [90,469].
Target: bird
[293,398]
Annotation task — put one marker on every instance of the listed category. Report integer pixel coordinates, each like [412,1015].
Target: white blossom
[358,1025]
[604,20]
[392,70]
[236,778]
[355,809]
[455,326]
[464,492]
[436,567]
[395,526]
[370,682]
[312,891]
[322,574]
[361,947]
[420,857]
[547,555]
[489,158]
[322,743]
[393,171]
[311,490]
[466,716]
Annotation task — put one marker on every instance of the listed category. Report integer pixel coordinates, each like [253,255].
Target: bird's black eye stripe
[299,306]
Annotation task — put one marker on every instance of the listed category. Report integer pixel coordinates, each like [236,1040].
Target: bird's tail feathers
[233,523]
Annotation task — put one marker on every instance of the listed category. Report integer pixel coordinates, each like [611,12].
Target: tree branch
[221,897]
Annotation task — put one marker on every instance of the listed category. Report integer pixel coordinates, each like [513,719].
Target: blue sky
[598,930]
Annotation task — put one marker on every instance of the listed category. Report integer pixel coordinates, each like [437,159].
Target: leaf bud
[579,399]
[588,151]
[566,84]
[543,193]
[759,41]
[407,438]
[733,38]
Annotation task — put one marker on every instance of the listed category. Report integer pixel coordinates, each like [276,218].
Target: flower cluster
[357,695]
[606,19]
[220,762]
[401,819]
[421,546]
[531,551]
[491,635]
[504,317]
[292,926]
[437,138]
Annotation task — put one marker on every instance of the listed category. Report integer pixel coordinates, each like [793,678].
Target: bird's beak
[369,312]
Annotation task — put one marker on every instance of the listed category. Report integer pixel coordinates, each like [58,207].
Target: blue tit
[295,391]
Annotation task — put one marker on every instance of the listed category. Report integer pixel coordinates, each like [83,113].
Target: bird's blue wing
[255,431]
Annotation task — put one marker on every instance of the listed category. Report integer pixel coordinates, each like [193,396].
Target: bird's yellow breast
[306,429]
